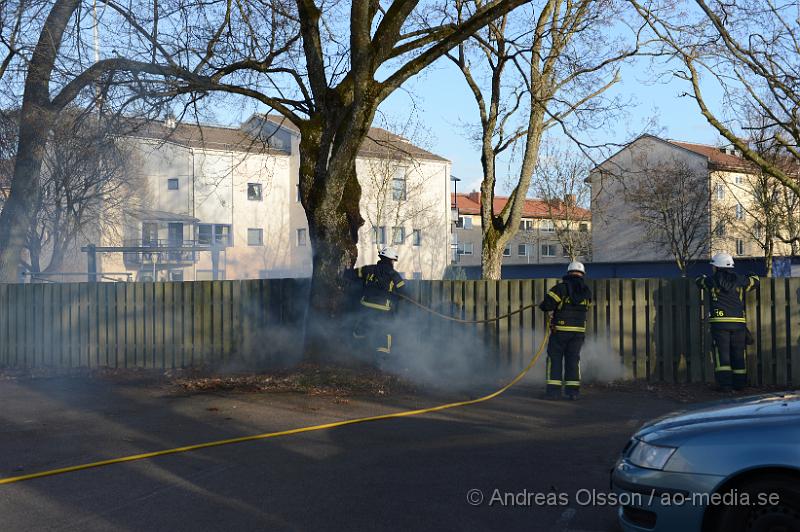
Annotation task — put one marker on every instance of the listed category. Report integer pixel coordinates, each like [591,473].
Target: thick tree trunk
[330,193]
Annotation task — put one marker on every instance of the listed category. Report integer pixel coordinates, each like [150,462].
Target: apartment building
[547,231]
[223,203]
[730,222]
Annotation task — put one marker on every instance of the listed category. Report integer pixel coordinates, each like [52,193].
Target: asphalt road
[539,465]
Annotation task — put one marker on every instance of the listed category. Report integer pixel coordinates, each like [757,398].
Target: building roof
[533,208]
[195,135]
[379,142]
[718,157]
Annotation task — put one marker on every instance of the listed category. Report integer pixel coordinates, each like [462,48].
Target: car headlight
[650,456]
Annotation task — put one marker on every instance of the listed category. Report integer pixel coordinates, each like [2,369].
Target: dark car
[725,466]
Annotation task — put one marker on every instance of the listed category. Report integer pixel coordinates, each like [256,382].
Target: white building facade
[223,203]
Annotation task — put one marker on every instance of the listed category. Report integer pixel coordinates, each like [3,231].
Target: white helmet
[388,252]
[722,260]
[576,266]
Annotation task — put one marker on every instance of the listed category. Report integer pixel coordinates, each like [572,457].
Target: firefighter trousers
[729,356]
[564,362]
[374,329]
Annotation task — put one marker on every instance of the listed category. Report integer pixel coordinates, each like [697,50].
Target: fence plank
[4,308]
[28,327]
[503,325]
[638,327]
[667,322]
[627,326]
[780,323]
[528,318]
[694,336]
[681,327]
[765,354]
[793,332]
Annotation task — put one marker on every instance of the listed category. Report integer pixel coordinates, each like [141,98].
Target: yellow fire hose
[312,428]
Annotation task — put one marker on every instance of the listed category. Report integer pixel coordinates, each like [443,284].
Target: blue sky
[442,102]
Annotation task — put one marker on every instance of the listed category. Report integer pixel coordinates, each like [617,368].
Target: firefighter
[568,301]
[728,330]
[379,285]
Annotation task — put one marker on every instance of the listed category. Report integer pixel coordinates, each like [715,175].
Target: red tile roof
[534,208]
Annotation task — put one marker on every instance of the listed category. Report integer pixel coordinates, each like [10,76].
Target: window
[379,235]
[583,227]
[738,180]
[548,226]
[208,234]
[739,211]
[739,246]
[149,234]
[719,192]
[522,250]
[720,229]
[297,193]
[254,191]
[176,275]
[526,225]
[758,231]
[465,248]
[255,237]
[548,250]
[507,251]
[173,183]
[465,222]
[398,235]
[399,184]
[301,237]
[416,237]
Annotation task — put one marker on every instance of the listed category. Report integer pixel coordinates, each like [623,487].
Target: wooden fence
[653,328]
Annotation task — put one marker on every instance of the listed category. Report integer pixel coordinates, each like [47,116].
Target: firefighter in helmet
[380,284]
[726,317]
[568,301]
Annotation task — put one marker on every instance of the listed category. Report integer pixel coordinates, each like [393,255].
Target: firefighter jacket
[381,283]
[727,290]
[569,301]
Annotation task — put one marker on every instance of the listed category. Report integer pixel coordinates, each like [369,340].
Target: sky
[442,102]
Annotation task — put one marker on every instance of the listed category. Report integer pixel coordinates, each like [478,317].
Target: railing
[165,252]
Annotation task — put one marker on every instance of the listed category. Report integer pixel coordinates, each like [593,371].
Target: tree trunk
[334,220]
[492,248]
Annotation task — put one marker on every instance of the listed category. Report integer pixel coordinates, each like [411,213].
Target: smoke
[600,363]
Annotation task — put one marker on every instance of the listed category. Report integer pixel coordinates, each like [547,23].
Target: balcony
[162,252]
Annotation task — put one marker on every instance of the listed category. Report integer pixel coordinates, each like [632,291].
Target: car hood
[757,407]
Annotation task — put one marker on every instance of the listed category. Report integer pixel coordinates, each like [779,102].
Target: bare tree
[672,205]
[325,66]
[749,49]
[561,184]
[526,81]
[58,73]
[84,187]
